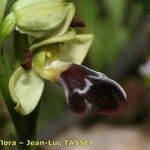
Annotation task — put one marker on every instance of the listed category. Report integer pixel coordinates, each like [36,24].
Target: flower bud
[87,88]
[40,18]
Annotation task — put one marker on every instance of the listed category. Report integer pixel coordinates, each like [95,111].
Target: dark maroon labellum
[27,64]
[87,88]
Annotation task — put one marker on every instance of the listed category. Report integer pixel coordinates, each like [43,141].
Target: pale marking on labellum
[88,84]
[99,74]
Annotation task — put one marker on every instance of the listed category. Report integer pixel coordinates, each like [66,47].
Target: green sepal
[76,49]
[25,89]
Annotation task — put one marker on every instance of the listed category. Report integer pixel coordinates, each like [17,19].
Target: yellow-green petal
[75,50]
[25,89]
[51,59]
[69,35]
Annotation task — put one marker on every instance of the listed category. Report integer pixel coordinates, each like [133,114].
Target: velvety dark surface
[86,87]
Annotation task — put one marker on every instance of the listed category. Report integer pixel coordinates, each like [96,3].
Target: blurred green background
[121,50]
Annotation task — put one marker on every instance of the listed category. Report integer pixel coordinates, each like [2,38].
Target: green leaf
[26,89]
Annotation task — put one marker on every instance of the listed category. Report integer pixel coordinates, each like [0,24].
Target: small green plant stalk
[25,126]
[23,131]
[18,120]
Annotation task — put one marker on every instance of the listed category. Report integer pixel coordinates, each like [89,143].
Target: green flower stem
[25,126]
[18,120]
[31,122]
[21,42]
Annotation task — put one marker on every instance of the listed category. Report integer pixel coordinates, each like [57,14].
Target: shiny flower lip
[87,88]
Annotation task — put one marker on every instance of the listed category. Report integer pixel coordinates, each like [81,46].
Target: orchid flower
[58,59]
[56,54]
